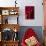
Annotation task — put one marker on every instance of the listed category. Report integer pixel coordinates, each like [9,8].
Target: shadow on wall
[37,29]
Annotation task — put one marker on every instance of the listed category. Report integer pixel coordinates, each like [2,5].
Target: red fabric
[29,33]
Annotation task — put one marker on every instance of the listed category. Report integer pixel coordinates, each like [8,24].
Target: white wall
[38,21]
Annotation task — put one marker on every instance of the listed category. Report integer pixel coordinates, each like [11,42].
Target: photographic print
[29,12]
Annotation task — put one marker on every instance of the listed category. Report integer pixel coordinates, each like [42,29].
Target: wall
[38,21]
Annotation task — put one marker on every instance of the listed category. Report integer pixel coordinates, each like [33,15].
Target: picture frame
[29,12]
[5,12]
[13,12]
[10,19]
[13,20]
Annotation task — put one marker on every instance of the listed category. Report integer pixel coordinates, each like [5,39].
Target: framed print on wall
[29,12]
[5,12]
[13,20]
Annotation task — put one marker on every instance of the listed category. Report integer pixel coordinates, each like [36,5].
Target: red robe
[29,33]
